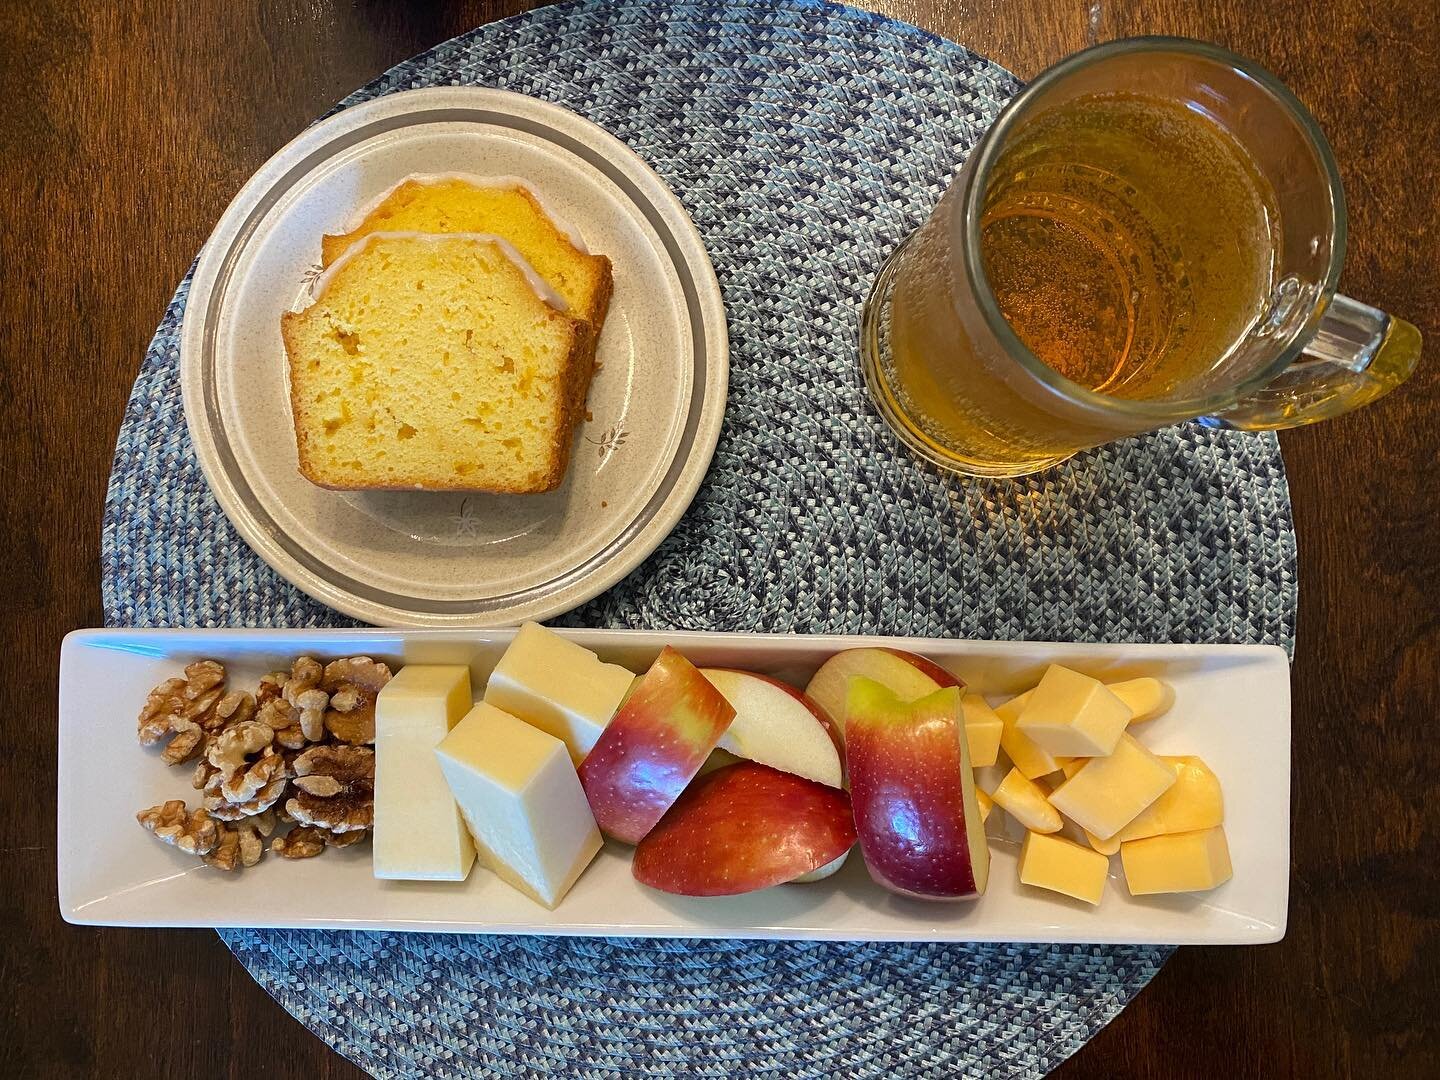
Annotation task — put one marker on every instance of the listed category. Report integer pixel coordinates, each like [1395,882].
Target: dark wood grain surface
[125,128]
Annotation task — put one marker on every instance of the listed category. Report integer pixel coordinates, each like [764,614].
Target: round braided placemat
[806,140]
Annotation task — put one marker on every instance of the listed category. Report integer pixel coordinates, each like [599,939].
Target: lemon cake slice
[503,206]
[439,362]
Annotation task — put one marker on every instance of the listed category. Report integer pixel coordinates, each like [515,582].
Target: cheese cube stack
[1073,715]
[522,801]
[1060,865]
[1107,793]
[419,834]
[559,687]
[1179,862]
[983,728]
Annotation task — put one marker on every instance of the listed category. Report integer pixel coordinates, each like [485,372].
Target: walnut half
[335,788]
[193,832]
[184,708]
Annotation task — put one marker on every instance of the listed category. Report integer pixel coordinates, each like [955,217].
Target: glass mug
[1150,233]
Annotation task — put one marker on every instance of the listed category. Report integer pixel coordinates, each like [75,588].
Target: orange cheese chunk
[1031,760]
[985,803]
[982,730]
[1146,698]
[1194,802]
[1060,865]
[1023,800]
[1178,862]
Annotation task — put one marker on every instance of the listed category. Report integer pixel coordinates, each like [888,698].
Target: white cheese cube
[522,801]
[419,834]
[559,687]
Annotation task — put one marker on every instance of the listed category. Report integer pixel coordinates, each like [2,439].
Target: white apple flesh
[905,674]
[777,725]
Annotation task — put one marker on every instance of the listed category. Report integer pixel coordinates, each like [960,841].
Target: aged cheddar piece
[1194,802]
[1073,715]
[558,686]
[522,801]
[982,730]
[1107,793]
[1057,864]
[1178,862]
[985,803]
[1146,698]
[1023,800]
[419,833]
[1024,754]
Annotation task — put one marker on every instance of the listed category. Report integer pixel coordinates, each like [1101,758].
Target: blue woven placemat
[806,140]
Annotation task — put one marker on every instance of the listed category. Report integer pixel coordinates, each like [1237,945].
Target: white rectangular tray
[1232,708]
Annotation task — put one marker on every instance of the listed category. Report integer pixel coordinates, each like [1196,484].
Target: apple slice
[742,828]
[904,674]
[916,814]
[777,725]
[653,746]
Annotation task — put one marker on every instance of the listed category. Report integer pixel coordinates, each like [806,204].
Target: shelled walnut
[183,709]
[334,788]
[192,831]
[353,685]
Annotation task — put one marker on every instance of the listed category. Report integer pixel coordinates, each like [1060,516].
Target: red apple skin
[653,746]
[908,780]
[742,828]
[942,677]
[804,699]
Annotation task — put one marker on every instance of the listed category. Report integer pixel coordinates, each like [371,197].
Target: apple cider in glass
[1150,233]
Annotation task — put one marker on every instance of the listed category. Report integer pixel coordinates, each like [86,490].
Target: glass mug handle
[1359,354]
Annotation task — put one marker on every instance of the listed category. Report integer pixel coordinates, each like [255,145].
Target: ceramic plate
[439,559]
[1232,708]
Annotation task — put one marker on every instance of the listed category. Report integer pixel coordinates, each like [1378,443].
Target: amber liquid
[1130,243]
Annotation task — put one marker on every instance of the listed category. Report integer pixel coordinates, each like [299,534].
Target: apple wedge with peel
[913,793]
[777,725]
[905,674]
[742,828]
[653,746]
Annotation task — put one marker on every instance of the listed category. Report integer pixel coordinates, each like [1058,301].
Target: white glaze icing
[358,217]
[537,283]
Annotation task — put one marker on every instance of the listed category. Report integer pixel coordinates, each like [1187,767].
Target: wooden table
[125,128]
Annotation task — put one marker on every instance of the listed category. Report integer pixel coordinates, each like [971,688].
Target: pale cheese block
[1107,793]
[419,833]
[1195,802]
[522,801]
[1072,715]
[559,687]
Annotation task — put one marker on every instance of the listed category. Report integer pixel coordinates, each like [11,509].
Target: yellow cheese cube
[1108,793]
[1179,862]
[419,833]
[982,730]
[1023,800]
[1195,802]
[558,686]
[1060,865]
[1071,765]
[1145,698]
[1030,759]
[1073,715]
[985,803]
[522,801]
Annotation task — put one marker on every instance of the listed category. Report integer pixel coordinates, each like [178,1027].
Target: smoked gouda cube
[1023,800]
[1107,793]
[1060,865]
[1178,862]
[1195,802]
[1073,715]
[1031,760]
[1146,698]
[982,730]
[559,687]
